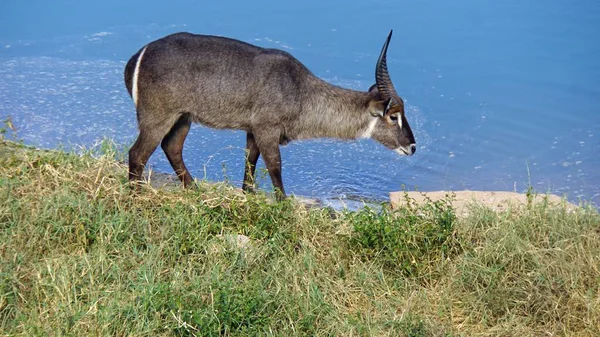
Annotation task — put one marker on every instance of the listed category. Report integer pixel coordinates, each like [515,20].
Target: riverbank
[82,255]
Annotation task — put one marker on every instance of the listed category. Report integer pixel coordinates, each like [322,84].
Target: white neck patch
[369,130]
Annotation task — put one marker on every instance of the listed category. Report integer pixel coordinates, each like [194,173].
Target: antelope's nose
[413,148]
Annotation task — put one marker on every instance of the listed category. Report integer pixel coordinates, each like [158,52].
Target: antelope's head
[389,126]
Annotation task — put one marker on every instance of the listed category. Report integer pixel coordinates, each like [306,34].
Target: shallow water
[500,95]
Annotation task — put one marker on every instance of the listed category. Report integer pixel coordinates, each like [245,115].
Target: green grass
[83,256]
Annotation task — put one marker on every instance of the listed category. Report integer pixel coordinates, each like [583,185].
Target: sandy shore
[461,200]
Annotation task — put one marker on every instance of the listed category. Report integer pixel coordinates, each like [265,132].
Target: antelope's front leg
[268,145]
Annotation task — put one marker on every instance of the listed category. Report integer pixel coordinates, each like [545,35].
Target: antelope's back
[215,79]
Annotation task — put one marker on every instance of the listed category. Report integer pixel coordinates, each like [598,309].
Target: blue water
[500,94]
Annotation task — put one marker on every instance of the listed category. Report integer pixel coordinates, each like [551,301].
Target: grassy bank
[82,256]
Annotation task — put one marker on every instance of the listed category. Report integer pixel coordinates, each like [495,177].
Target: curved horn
[382,77]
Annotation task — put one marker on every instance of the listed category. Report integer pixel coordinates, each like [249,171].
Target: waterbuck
[229,84]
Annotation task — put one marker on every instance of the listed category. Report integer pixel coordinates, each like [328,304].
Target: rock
[237,240]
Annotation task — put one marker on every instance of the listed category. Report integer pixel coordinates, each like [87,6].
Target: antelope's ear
[373,89]
[374,92]
[380,108]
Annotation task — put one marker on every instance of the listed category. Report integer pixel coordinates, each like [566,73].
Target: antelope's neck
[342,113]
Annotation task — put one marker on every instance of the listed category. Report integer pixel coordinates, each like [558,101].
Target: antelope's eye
[394,117]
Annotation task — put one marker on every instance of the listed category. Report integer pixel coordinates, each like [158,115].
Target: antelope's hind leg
[152,131]
[252,154]
[172,145]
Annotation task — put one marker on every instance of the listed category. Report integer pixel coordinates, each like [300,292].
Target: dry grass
[83,256]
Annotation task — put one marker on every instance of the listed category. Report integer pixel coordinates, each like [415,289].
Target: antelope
[224,83]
